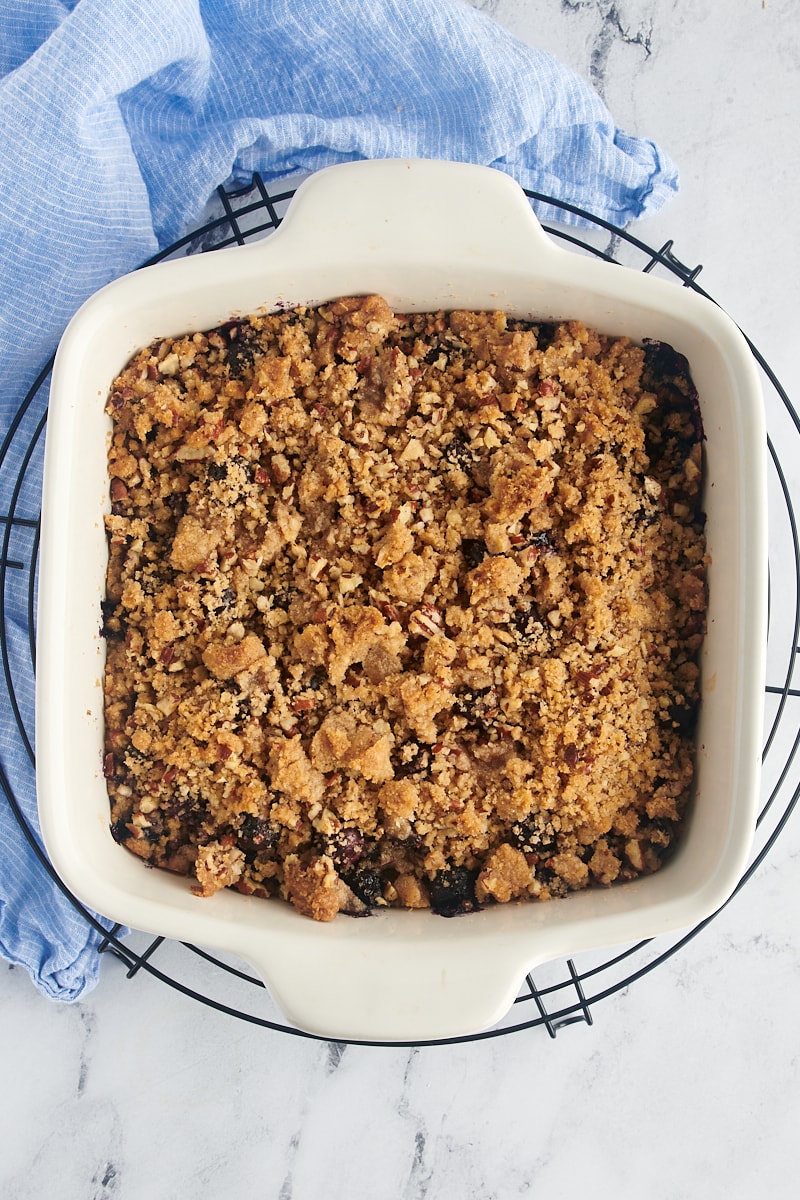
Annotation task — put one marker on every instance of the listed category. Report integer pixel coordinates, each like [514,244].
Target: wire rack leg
[555,1022]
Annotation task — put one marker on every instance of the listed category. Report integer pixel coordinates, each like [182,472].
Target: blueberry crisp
[402,609]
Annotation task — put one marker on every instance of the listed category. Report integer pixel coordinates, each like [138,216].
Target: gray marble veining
[688,1083]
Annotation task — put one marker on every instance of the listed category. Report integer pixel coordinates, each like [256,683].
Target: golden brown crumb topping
[402,609]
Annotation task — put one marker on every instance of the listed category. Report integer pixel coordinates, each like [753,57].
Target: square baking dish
[425,235]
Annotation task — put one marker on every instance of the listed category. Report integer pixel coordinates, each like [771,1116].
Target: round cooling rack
[565,992]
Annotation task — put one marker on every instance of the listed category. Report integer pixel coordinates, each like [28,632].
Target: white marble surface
[688,1083]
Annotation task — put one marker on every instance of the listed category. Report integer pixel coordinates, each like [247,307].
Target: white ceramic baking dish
[426,235]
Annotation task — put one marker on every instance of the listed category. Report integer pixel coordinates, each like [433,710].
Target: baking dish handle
[404,979]
[477,214]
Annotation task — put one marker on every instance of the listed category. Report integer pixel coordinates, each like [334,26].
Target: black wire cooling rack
[565,992]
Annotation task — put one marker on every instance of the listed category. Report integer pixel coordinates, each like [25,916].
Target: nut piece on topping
[291,771]
[192,545]
[313,887]
[411,892]
[342,742]
[226,661]
[571,869]
[505,876]
[426,621]
[217,866]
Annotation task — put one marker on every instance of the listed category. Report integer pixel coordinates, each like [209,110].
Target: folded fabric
[119,120]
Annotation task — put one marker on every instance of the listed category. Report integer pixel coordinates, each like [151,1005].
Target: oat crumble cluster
[402,609]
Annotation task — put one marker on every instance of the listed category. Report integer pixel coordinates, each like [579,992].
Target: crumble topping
[402,609]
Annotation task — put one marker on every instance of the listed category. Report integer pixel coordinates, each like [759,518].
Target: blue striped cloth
[119,119]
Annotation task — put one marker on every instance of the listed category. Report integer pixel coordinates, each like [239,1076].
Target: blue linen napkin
[117,121]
